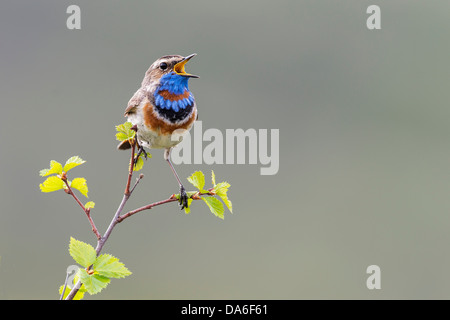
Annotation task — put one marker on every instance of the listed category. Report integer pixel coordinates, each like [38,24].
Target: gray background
[364,147]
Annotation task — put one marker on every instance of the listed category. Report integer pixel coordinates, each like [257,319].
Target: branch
[87,211]
[102,240]
[195,196]
[130,172]
[147,207]
[119,218]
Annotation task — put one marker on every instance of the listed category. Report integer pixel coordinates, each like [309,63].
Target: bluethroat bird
[162,105]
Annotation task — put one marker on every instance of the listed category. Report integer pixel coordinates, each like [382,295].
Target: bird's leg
[183,194]
[140,151]
[140,147]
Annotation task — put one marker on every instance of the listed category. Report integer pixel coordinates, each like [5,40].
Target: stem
[65,286]
[147,207]
[195,196]
[102,240]
[130,172]
[119,218]
[86,211]
[137,181]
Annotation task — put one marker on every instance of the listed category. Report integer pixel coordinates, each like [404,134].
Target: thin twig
[65,286]
[87,211]
[102,240]
[130,171]
[119,218]
[196,196]
[141,176]
[147,207]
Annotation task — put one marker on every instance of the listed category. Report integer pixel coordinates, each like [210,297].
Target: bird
[162,106]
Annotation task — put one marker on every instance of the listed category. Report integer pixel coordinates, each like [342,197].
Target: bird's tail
[124,145]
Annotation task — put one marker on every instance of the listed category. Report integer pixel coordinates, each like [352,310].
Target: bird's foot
[183,198]
[140,151]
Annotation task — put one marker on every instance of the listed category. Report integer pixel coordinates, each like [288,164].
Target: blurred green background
[364,172]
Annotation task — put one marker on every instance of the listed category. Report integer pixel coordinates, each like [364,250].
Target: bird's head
[168,71]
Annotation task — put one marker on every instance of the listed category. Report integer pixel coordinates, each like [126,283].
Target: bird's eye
[163,66]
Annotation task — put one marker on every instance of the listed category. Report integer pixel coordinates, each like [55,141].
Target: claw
[140,151]
[183,198]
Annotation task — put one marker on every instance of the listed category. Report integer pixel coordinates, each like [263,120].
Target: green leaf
[80,185]
[108,266]
[55,167]
[188,209]
[51,184]
[124,132]
[120,136]
[140,162]
[198,180]
[221,190]
[227,201]
[89,205]
[72,163]
[222,187]
[213,178]
[93,283]
[83,253]
[215,206]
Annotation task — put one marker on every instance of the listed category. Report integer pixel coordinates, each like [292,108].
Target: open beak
[179,67]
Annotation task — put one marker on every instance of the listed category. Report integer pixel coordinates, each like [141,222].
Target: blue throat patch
[175,85]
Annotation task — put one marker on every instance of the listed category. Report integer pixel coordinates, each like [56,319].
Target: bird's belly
[155,140]
[153,137]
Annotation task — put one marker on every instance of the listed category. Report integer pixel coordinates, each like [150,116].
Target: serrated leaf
[93,283]
[198,180]
[80,185]
[73,162]
[109,266]
[222,187]
[215,206]
[221,190]
[84,254]
[227,201]
[55,167]
[51,184]
[124,131]
[121,136]
[188,209]
[213,178]
[89,205]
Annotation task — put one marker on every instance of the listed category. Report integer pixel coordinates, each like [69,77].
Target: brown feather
[163,127]
[124,145]
[134,101]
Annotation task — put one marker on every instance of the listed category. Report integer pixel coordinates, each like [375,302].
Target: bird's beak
[179,67]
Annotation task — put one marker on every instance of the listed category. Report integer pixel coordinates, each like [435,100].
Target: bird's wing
[135,100]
